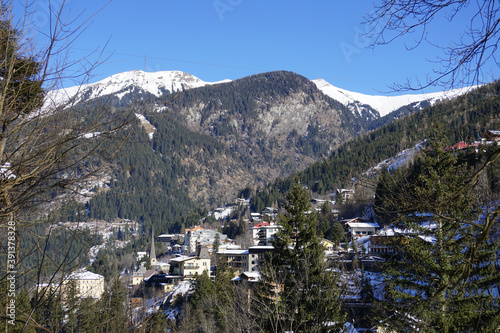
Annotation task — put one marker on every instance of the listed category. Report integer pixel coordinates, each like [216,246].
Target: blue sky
[230,39]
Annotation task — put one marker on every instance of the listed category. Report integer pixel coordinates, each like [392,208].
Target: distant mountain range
[209,140]
[158,83]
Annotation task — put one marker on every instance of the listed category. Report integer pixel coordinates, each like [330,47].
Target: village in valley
[173,262]
[332,168]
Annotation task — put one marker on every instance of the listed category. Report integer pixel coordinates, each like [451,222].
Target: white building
[358,228]
[141,254]
[88,284]
[263,233]
[346,194]
[201,237]
[190,267]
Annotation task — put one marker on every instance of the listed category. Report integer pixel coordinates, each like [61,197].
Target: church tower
[152,253]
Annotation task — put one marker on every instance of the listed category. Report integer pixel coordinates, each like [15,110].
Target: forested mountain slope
[207,143]
[463,118]
[196,148]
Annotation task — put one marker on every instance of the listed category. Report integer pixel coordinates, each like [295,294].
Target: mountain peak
[120,84]
[384,104]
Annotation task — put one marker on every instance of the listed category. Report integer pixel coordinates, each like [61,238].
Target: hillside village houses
[198,243]
[490,137]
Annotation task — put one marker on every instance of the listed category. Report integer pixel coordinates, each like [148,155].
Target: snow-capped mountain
[382,104]
[157,83]
[122,83]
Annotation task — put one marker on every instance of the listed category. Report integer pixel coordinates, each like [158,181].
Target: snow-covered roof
[398,231]
[185,258]
[261,247]
[252,276]
[181,258]
[494,132]
[363,225]
[233,252]
[428,239]
[84,275]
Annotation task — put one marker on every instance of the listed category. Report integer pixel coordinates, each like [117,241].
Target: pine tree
[216,244]
[297,292]
[382,192]
[113,312]
[445,273]
[204,288]
[71,301]
[203,302]
[87,315]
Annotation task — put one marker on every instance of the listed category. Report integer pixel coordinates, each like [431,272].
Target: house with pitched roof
[359,227]
[190,267]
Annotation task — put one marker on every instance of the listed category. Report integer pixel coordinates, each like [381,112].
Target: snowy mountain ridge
[383,104]
[156,83]
[122,83]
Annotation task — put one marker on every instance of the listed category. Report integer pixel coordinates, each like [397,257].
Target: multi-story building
[189,267]
[236,259]
[201,237]
[249,260]
[86,284]
[382,245]
[263,233]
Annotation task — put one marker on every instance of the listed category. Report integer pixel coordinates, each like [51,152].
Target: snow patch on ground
[150,129]
[393,163]
[221,213]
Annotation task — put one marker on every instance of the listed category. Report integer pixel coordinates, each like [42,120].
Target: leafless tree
[463,61]
[47,151]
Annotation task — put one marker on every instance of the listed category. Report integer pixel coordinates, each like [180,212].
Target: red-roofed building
[263,233]
[459,146]
[195,228]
